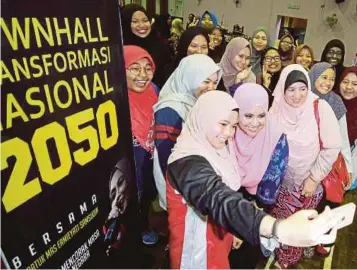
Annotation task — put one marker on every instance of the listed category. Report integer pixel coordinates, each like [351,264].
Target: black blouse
[203,189]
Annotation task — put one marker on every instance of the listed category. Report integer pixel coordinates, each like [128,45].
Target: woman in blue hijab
[208,20]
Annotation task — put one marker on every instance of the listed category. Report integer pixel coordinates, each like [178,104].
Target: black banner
[67,177]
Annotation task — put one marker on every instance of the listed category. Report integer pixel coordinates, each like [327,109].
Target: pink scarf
[141,112]
[254,154]
[300,127]
[204,115]
[229,71]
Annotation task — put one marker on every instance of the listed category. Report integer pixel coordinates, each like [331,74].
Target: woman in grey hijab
[260,41]
[322,76]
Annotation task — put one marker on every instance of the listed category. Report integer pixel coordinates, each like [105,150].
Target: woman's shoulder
[338,99]
[168,116]
[167,111]
[323,105]
[325,111]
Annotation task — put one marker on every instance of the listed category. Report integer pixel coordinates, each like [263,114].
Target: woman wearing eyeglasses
[143,94]
[271,66]
[334,53]
[286,49]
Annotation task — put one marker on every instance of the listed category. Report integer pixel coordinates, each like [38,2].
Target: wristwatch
[271,242]
[274,236]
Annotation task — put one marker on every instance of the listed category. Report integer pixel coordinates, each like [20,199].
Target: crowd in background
[262,144]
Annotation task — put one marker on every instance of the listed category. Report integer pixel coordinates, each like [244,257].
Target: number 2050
[17,192]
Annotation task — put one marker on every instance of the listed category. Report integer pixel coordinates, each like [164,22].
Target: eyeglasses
[269,59]
[137,70]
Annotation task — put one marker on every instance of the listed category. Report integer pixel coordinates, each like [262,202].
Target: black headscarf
[129,38]
[340,67]
[158,51]
[295,76]
[186,39]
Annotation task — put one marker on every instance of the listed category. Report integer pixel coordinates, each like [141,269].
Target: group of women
[245,162]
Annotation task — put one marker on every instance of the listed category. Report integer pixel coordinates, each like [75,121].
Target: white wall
[254,13]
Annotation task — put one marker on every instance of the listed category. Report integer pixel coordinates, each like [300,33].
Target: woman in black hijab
[194,40]
[217,44]
[138,31]
[334,53]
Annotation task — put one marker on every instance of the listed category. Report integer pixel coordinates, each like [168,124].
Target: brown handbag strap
[317,117]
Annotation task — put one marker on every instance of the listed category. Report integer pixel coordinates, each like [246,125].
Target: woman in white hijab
[195,75]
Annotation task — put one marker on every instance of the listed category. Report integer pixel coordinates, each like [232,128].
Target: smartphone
[346,213]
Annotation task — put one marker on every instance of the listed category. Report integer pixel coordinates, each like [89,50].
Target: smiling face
[216,37]
[207,22]
[207,85]
[242,60]
[260,41]
[286,44]
[325,81]
[140,24]
[334,56]
[272,61]
[304,58]
[223,131]
[296,94]
[119,192]
[253,121]
[198,45]
[348,86]
[139,75]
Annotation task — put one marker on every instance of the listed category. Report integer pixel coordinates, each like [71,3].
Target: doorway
[291,25]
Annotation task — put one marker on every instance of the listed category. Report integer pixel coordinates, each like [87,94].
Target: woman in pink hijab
[308,164]
[261,146]
[204,208]
[235,64]
[262,153]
